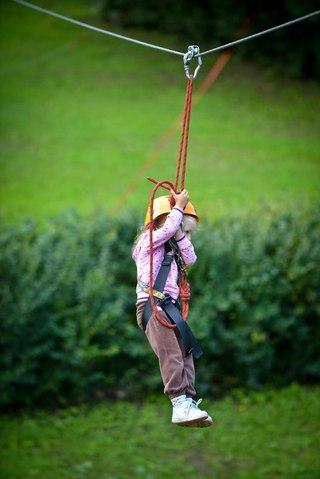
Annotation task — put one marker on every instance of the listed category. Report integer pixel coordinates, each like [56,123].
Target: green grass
[81,113]
[266,435]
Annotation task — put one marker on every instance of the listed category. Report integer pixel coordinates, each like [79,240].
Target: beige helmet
[161,206]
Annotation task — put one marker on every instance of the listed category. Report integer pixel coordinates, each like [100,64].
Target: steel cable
[259,34]
[158,47]
[95,29]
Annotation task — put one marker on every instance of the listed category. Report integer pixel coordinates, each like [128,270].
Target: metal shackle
[192,52]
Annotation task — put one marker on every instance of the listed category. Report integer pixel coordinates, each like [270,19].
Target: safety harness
[165,301]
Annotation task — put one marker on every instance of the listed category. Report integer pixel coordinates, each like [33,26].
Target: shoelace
[191,403]
[194,403]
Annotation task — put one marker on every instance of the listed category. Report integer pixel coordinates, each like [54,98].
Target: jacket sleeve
[168,229]
[187,251]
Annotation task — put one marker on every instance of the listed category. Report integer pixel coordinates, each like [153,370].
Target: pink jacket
[160,236]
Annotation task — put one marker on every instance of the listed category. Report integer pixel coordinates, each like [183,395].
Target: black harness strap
[190,343]
[159,283]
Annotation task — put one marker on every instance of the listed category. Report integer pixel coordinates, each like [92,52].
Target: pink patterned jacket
[160,236]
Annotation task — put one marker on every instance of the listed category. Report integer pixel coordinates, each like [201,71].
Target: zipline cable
[158,47]
[95,29]
[255,35]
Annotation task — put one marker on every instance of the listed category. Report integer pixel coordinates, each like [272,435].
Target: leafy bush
[68,328]
[256,290]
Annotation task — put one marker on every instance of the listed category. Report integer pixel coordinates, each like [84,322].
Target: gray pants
[177,370]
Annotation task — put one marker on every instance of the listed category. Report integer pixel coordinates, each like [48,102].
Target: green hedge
[68,329]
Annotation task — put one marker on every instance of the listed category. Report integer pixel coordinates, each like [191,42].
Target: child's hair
[142,229]
[189,224]
[139,233]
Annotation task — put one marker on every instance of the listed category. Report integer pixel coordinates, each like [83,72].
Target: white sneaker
[206,422]
[185,414]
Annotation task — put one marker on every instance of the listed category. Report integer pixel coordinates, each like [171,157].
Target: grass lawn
[81,113]
[258,436]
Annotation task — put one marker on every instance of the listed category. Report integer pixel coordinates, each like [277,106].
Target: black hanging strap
[190,343]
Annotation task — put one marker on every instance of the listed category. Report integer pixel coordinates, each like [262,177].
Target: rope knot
[185,294]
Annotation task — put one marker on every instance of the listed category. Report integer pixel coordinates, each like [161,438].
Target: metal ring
[192,52]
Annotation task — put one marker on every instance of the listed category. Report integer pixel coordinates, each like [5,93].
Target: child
[177,368]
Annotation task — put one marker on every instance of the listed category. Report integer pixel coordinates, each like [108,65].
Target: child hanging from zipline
[174,346]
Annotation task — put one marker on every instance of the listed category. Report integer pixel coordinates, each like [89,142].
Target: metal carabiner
[192,52]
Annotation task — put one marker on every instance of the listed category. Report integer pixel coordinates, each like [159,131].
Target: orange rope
[185,150]
[185,294]
[184,136]
[184,286]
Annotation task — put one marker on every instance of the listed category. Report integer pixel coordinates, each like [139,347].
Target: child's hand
[181,199]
